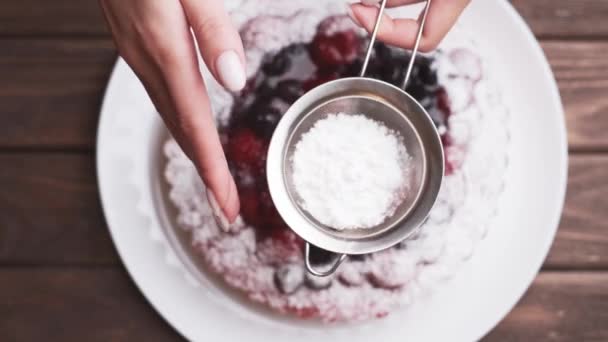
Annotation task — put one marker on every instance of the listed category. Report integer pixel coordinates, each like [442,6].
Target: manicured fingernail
[230,70]
[218,214]
[351,15]
[370,2]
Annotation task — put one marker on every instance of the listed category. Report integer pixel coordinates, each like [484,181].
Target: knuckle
[160,46]
[183,124]
[167,53]
[211,27]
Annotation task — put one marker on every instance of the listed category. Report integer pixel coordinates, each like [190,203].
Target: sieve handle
[372,39]
[414,50]
[325,273]
[416,44]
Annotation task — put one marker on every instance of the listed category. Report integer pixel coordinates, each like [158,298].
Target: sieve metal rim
[417,217]
[353,234]
[298,222]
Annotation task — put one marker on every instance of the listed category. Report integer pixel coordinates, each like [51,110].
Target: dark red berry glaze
[339,49]
[246,149]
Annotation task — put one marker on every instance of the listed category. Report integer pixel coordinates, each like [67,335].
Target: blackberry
[290,90]
[278,65]
[264,120]
[288,278]
[319,256]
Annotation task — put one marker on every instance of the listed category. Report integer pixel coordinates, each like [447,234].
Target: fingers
[390,3]
[194,125]
[154,38]
[218,41]
[402,32]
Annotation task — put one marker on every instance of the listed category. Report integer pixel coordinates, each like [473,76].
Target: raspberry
[250,207]
[269,212]
[334,24]
[340,48]
[245,149]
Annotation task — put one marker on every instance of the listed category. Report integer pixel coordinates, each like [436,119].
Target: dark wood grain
[101,304]
[547,18]
[581,69]
[76,305]
[50,212]
[582,239]
[51,91]
[60,277]
[563,19]
[559,307]
[51,18]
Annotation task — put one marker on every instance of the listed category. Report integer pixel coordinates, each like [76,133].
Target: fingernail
[218,214]
[351,15]
[230,70]
[370,2]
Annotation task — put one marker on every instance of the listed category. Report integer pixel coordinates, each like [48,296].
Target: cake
[288,54]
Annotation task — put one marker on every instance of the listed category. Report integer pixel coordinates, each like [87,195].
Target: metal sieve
[381,102]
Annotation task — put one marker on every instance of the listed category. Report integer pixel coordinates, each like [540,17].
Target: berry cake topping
[288,278]
[263,257]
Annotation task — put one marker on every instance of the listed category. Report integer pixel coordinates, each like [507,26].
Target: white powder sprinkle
[458,221]
[350,171]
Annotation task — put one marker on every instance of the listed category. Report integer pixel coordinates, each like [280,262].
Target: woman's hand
[402,32]
[154,37]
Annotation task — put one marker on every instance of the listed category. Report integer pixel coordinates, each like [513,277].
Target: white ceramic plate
[464,309]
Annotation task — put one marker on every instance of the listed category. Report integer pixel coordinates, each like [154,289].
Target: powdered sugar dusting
[350,171]
[372,286]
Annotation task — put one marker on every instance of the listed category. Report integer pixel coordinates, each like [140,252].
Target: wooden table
[60,276]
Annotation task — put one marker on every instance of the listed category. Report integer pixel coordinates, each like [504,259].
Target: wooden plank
[51,18]
[547,18]
[50,211]
[51,91]
[76,305]
[582,239]
[69,304]
[581,70]
[559,307]
[562,18]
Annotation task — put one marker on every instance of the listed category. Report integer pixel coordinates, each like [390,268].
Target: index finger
[189,115]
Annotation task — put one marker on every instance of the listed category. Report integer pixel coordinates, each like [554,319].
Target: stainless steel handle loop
[372,41]
[324,273]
